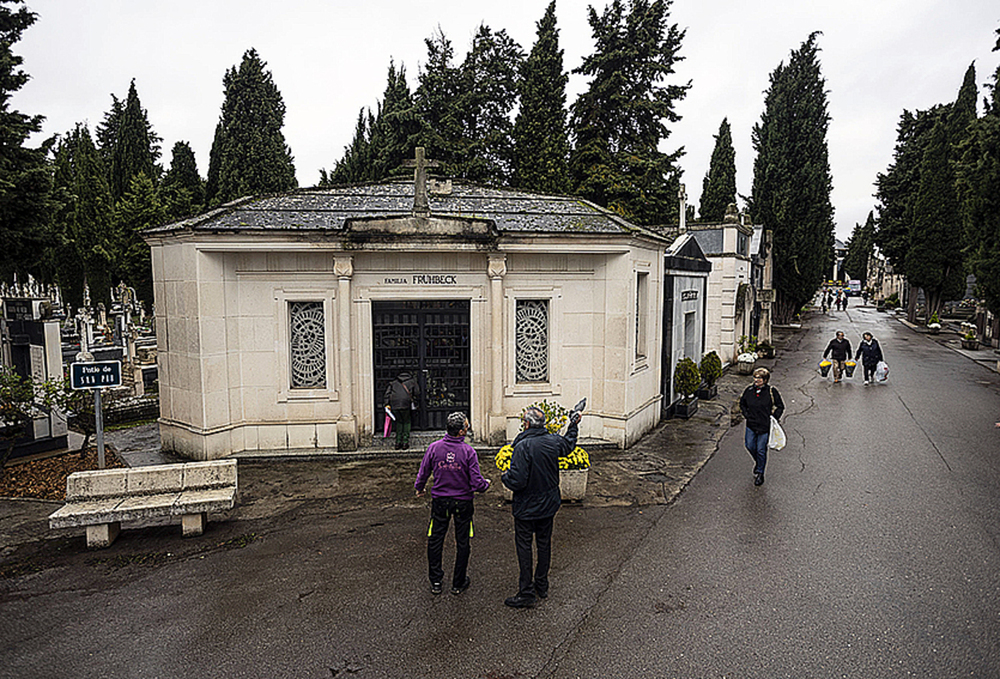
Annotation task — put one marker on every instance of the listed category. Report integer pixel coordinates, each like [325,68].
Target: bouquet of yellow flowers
[577,459]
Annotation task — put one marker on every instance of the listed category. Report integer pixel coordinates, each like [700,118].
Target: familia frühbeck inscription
[422,279]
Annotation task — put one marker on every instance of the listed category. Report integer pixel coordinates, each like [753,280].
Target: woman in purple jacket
[455,468]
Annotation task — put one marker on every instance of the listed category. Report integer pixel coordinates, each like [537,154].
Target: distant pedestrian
[401,396]
[533,478]
[824,300]
[846,298]
[864,297]
[759,403]
[870,353]
[455,468]
[839,350]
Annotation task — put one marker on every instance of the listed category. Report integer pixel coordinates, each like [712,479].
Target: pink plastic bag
[388,427]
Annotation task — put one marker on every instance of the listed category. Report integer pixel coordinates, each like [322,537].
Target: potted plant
[747,357]
[573,467]
[970,340]
[686,381]
[711,371]
[934,326]
[765,350]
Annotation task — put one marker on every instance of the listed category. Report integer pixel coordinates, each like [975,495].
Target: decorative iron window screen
[308,345]
[532,340]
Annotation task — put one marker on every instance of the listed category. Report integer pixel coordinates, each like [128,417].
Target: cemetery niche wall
[281,320]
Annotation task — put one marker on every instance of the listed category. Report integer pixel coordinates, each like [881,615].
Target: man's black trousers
[541,529]
[442,511]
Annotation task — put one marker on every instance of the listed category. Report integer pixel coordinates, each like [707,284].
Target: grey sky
[330,58]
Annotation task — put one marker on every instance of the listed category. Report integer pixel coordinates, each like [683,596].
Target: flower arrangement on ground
[556,417]
[935,323]
[748,349]
[576,459]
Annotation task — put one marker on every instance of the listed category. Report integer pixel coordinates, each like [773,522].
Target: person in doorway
[533,478]
[455,468]
[401,396]
[759,403]
[870,354]
[839,350]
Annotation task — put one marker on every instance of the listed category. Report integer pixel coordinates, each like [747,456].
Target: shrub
[686,377]
[711,368]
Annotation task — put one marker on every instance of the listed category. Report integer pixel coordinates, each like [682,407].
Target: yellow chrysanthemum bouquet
[556,418]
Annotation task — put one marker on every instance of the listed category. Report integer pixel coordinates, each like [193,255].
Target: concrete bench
[101,500]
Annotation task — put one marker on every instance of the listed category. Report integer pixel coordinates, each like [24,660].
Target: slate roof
[330,209]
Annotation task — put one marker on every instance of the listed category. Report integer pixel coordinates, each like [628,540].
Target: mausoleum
[281,319]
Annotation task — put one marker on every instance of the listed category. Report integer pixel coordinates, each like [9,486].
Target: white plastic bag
[776,439]
[881,372]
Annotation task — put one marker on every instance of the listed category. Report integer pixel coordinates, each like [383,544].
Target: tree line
[937,218]
[500,117]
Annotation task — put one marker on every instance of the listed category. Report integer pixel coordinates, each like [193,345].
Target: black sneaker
[458,589]
[758,479]
[436,588]
[520,601]
[542,594]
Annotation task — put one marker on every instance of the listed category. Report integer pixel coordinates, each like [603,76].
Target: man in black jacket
[533,478]
[758,403]
[401,396]
[839,350]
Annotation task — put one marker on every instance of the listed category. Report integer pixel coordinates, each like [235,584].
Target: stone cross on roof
[420,204]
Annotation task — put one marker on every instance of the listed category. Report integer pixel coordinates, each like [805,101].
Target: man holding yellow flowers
[533,478]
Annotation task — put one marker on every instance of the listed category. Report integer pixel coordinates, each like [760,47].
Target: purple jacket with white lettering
[455,467]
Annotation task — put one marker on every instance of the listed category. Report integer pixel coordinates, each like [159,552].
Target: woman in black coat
[870,354]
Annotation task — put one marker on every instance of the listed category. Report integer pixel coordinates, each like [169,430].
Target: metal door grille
[430,339]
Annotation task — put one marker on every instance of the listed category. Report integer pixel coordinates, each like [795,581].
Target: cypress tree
[84,220]
[618,122]
[249,155]
[792,183]
[356,165]
[436,99]
[718,189]
[135,147]
[860,247]
[933,259]
[979,191]
[541,139]
[139,209]
[396,126]
[25,174]
[182,191]
[489,83]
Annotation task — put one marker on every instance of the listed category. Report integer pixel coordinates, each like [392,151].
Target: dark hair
[456,423]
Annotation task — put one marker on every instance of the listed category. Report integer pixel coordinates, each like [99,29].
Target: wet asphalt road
[871,551]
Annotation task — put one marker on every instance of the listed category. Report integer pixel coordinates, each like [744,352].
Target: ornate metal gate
[429,339]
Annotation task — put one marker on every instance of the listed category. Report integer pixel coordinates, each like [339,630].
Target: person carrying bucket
[839,350]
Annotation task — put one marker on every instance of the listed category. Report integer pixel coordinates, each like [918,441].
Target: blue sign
[95,375]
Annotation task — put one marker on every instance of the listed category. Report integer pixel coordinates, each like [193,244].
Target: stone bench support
[101,500]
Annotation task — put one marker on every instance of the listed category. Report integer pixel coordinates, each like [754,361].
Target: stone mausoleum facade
[280,320]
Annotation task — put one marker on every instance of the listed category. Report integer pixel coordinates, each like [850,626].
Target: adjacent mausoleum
[280,320]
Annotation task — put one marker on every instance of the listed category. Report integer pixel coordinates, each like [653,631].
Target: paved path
[871,551]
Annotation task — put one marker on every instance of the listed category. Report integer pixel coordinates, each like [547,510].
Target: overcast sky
[330,57]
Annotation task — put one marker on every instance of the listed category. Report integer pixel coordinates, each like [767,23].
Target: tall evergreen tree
[107,130]
[934,258]
[135,147]
[25,174]
[860,247]
[541,137]
[718,189]
[182,191]
[619,121]
[792,182]
[249,155]
[490,79]
[437,103]
[396,126]
[139,209]
[356,165]
[896,189]
[84,220]
[979,191]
